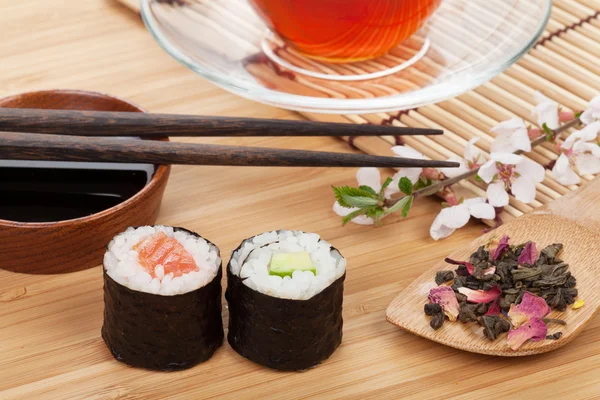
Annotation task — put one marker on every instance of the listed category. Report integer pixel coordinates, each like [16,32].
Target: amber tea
[345,30]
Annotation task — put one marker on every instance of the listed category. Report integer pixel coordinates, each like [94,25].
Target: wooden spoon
[573,220]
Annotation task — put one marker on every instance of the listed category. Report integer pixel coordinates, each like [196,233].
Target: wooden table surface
[50,345]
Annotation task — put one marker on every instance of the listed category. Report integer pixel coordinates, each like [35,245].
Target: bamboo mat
[564,65]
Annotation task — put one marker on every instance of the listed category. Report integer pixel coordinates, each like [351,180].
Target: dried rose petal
[534,330]
[489,271]
[531,306]
[494,308]
[529,254]
[468,265]
[445,297]
[502,246]
[481,296]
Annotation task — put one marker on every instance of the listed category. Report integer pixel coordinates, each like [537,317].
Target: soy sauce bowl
[67,245]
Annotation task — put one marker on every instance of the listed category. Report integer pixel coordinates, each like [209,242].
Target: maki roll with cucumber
[162,298]
[285,294]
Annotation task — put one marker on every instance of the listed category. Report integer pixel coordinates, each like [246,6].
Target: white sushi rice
[122,264]
[251,263]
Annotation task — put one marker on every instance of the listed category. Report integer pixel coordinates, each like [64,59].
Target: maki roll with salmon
[285,293]
[162,298]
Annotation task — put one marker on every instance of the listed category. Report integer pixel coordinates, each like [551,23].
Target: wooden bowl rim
[160,173]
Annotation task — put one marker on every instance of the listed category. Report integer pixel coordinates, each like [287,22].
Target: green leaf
[422,183]
[478,178]
[399,205]
[346,196]
[375,212]
[359,201]
[368,189]
[407,206]
[353,215]
[577,115]
[405,185]
[385,185]
[548,131]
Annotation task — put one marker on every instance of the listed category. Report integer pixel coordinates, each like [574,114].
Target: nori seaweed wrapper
[284,334]
[162,332]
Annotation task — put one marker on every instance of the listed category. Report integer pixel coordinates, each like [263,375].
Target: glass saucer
[465,43]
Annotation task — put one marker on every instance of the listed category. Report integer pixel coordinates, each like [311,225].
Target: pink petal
[531,306]
[446,298]
[528,254]
[499,250]
[481,296]
[534,330]
[494,309]
[467,264]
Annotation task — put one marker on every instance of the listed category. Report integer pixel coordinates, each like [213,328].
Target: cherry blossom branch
[441,185]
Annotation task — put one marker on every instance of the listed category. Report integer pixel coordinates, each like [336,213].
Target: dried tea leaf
[437,321]
[443,277]
[554,336]
[493,326]
[432,309]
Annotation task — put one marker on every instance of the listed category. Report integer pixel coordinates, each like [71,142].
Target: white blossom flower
[452,218]
[592,114]
[581,151]
[587,134]
[411,173]
[511,136]
[367,177]
[510,172]
[472,159]
[546,111]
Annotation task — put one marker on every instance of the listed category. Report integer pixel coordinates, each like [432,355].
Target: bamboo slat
[564,65]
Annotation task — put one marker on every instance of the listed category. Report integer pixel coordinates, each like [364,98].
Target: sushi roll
[162,298]
[285,292]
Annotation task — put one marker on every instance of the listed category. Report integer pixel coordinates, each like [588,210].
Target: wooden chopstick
[31,146]
[104,123]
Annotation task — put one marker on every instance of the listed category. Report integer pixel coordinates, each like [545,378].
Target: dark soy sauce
[40,191]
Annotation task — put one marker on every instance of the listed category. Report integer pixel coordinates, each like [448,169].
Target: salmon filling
[159,249]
